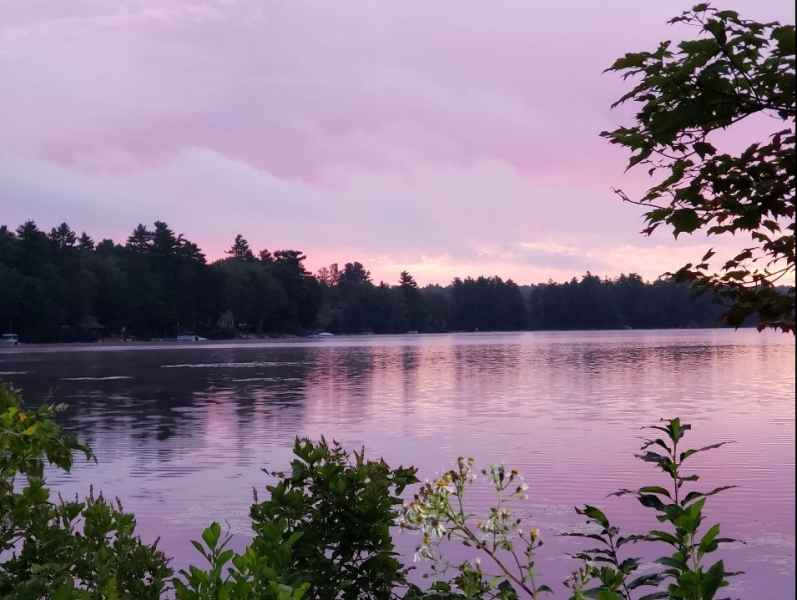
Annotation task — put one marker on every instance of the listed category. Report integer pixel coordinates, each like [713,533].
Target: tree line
[61,286]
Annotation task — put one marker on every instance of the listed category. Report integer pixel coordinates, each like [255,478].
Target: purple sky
[450,138]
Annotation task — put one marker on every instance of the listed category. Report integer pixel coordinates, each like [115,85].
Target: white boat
[191,337]
[9,339]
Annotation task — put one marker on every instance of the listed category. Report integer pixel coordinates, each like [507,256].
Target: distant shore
[293,339]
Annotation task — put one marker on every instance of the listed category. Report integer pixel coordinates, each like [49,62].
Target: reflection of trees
[341,383]
[473,382]
[608,376]
[163,411]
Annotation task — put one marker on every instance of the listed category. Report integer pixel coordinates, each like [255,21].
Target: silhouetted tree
[240,249]
[738,70]
[85,243]
[140,240]
[329,276]
[61,287]
[412,315]
[62,237]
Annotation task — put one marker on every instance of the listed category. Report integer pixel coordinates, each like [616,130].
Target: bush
[440,512]
[340,512]
[324,533]
[63,550]
[259,573]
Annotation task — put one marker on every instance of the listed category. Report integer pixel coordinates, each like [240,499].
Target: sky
[449,138]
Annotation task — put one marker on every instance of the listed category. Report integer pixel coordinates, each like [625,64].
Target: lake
[181,432]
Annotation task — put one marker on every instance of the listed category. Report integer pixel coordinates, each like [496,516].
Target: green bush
[339,511]
[259,573]
[325,532]
[56,549]
[439,511]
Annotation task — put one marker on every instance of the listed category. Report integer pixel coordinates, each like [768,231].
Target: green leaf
[630,60]
[695,495]
[708,542]
[594,514]
[655,489]
[784,36]
[211,535]
[687,453]
[704,148]
[225,557]
[643,580]
[672,562]
[713,580]
[199,547]
[655,596]
[703,47]
[607,595]
[684,220]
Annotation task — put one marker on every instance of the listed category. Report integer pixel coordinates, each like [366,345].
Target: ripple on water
[183,440]
[232,365]
[105,378]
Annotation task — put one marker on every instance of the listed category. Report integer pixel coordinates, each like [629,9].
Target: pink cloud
[400,130]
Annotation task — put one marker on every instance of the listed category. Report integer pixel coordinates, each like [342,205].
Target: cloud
[294,87]
[442,135]
[390,220]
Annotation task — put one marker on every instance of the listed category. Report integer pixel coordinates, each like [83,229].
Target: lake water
[182,432]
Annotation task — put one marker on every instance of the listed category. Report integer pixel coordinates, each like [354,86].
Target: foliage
[612,576]
[690,95]
[63,550]
[262,574]
[336,512]
[438,512]
[60,287]
[487,303]
[30,439]
[325,532]
[686,574]
[624,302]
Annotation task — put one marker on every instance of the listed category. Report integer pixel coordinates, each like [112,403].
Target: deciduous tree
[688,95]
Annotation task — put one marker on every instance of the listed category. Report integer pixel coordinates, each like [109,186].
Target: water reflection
[182,433]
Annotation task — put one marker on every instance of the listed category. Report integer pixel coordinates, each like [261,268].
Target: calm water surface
[182,432]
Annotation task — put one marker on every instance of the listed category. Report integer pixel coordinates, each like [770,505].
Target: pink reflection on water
[184,445]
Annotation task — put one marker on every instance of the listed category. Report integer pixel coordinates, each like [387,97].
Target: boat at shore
[191,337]
[9,339]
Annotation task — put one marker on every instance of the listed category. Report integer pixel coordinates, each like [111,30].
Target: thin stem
[613,548]
[480,545]
[531,569]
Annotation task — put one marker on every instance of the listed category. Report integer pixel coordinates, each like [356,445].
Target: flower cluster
[438,512]
[431,513]
[503,480]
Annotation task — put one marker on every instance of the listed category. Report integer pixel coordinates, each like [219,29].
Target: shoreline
[314,340]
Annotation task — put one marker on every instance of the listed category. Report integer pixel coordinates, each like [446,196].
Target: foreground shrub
[259,573]
[339,509]
[324,532]
[439,511]
[685,574]
[56,549]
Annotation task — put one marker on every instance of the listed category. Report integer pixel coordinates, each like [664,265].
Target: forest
[59,286]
